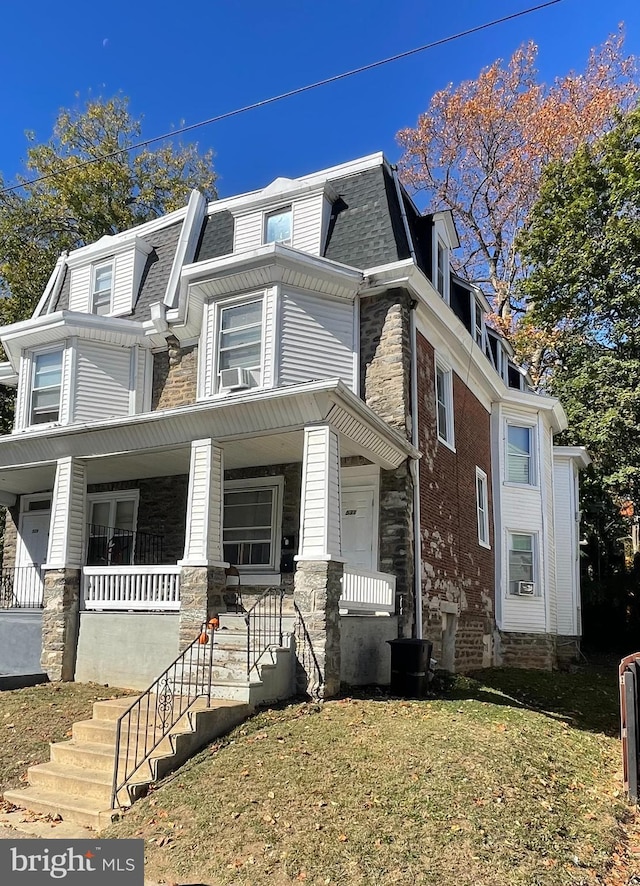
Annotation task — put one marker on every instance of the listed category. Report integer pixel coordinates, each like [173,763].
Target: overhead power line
[283,95]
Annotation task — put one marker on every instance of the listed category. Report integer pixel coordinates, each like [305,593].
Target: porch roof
[265,423]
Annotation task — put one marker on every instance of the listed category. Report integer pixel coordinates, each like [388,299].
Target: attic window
[102,288]
[277,226]
[478,325]
[440,271]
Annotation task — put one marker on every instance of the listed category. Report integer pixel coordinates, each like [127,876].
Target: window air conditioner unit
[235,379]
[526,588]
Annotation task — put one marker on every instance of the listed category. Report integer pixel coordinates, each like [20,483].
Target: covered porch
[285,479]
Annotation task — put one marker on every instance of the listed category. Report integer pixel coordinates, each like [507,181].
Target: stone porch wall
[524,650]
[385,385]
[10,543]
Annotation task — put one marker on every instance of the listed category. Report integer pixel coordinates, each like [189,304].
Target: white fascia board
[578,454]
[53,286]
[233,418]
[63,324]
[538,403]
[314,179]
[296,189]
[8,376]
[186,248]
[446,217]
[108,246]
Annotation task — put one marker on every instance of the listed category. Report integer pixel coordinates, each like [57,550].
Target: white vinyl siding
[80,288]
[23,394]
[309,219]
[102,381]
[316,339]
[320,513]
[307,224]
[123,281]
[204,505]
[567,546]
[247,232]
[66,536]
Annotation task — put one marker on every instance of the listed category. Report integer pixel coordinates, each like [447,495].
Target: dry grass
[31,718]
[511,779]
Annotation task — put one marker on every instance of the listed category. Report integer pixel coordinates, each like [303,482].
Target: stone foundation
[60,623]
[201,596]
[520,650]
[317,590]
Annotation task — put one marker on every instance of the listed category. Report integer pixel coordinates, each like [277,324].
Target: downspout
[414,464]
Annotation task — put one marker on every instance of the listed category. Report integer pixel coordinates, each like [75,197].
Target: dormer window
[46,385]
[102,288]
[278,225]
[478,329]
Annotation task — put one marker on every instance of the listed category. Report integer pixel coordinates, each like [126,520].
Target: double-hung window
[522,564]
[444,403]
[520,462]
[101,288]
[239,358]
[46,386]
[278,226]
[482,504]
[251,523]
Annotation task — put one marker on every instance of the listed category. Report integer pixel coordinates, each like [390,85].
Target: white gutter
[414,464]
[186,248]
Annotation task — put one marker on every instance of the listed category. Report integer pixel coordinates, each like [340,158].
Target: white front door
[32,553]
[358,543]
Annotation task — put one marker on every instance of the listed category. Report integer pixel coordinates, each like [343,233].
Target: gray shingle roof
[216,238]
[366,228]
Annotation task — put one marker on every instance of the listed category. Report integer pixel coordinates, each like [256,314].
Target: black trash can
[410,660]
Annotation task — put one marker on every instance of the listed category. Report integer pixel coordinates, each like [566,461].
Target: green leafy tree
[582,246]
[74,202]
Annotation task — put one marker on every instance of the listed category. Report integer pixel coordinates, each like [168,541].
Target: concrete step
[78,810]
[72,781]
[83,755]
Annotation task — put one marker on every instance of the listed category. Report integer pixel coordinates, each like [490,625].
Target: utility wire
[276,98]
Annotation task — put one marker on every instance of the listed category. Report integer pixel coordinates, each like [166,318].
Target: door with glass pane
[112,523]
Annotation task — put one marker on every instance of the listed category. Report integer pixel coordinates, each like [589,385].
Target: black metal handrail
[152,716]
[306,656]
[264,626]
[21,587]
[111,546]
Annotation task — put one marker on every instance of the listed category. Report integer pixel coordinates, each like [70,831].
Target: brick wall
[175,374]
[455,567]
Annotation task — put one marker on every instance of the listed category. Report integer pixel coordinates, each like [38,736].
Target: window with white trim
[251,523]
[482,504]
[111,536]
[278,226]
[444,403]
[239,345]
[442,269]
[478,326]
[46,387]
[520,461]
[522,565]
[101,288]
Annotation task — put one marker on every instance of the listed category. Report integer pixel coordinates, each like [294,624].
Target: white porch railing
[364,591]
[131,587]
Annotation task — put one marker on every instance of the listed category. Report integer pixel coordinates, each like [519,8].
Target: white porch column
[317,581]
[202,580]
[320,533]
[203,537]
[62,570]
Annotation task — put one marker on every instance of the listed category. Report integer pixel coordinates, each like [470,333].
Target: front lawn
[510,780]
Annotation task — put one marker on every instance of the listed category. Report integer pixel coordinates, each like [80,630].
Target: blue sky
[190,61]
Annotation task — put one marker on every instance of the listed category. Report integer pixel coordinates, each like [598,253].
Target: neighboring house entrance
[358,543]
[32,553]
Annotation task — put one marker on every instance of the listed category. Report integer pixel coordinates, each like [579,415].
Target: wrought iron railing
[152,716]
[21,587]
[110,546]
[264,626]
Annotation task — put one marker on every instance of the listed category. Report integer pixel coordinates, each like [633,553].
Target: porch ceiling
[257,428]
